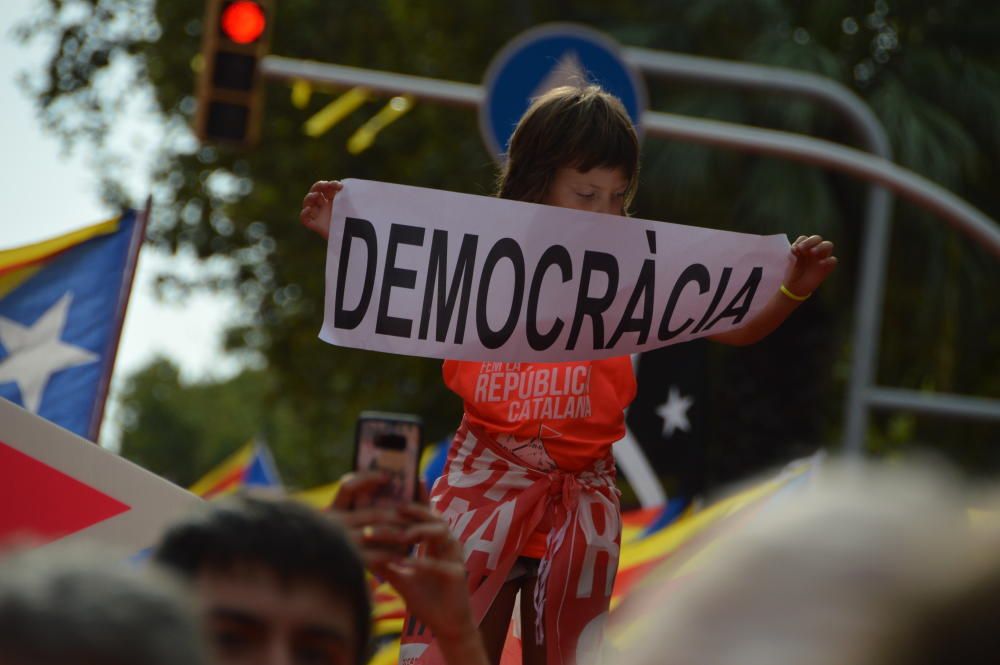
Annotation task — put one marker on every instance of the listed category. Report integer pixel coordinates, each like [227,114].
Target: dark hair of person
[958,626]
[572,127]
[295,542]
[83,605]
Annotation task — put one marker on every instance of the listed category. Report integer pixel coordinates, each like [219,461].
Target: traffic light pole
[877,169]
[290,70]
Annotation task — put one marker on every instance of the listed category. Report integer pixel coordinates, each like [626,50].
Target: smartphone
[390,443]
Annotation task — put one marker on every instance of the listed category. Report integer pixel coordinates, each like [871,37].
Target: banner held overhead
[429,273]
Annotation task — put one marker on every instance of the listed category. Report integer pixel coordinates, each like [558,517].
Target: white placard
[50,473]
[424,272]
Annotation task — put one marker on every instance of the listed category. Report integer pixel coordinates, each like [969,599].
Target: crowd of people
[250,579]
[870,569]
[869,566]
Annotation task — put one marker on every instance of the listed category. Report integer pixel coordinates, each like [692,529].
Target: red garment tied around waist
[493,504]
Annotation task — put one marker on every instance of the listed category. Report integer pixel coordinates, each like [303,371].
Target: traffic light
[235,38]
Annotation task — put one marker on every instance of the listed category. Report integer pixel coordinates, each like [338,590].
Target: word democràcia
[453,291]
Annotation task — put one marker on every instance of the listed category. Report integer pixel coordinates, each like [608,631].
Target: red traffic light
[243,21]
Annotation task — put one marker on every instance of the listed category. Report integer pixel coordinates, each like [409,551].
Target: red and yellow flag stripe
[228,476]
[18,264]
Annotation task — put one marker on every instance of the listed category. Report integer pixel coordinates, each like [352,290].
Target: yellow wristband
[784,289]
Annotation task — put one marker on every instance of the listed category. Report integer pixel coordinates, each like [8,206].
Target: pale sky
[45,193]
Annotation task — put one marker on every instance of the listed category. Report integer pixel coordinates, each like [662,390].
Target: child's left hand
[814,261]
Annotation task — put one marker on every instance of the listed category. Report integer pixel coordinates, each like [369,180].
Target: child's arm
[814,260]
[317,204]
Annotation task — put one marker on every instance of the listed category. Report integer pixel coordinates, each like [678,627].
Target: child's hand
[317,204]
[814,261]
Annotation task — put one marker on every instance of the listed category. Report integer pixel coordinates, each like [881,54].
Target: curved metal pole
[278,68]
[827,154]
[907,184]
[874,247]
[710,71]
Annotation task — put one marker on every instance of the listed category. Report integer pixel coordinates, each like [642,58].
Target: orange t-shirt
[550,415]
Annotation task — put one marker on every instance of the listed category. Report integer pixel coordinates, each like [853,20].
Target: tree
[180,430]
[930,74]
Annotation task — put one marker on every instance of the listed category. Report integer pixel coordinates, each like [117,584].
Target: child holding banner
[529,484]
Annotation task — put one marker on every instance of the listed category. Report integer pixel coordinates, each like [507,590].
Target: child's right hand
[317,204]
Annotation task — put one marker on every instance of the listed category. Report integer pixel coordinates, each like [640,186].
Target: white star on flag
[37,352]
[674,412]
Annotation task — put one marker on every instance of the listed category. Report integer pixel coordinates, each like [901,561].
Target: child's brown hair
[573,127]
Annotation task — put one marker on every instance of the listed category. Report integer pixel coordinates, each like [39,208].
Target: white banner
[424,272]
[58,487]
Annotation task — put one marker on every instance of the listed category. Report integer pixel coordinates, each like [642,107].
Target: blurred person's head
[84,607]
[821,577]
[574,147]
[961,626]
[278,581]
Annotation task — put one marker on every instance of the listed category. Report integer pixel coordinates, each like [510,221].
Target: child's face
[597,190]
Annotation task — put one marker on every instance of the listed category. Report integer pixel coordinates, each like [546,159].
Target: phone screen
[390,443]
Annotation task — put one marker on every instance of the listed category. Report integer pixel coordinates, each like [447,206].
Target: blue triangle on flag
[435,465]
[262,471]
[674,508]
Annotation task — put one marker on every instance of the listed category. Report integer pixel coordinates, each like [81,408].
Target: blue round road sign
[543,58]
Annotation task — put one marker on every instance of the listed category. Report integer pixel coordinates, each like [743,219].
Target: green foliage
[183,429]
[931,73]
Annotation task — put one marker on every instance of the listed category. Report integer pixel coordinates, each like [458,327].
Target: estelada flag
[62,304]
[250,466]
